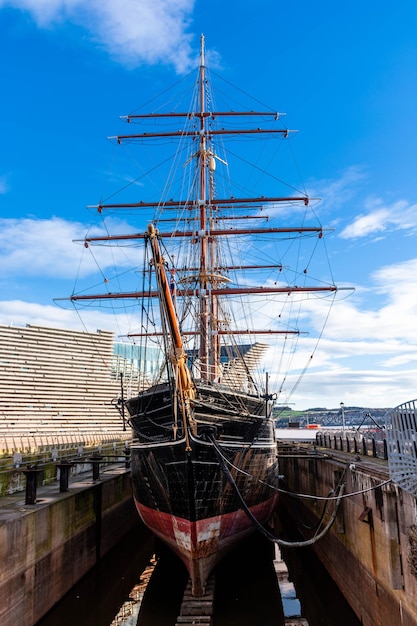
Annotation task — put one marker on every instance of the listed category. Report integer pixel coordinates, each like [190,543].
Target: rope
[305,495]
[257,524]
[346,495]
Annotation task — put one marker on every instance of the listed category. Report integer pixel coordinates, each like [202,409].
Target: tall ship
[217,293]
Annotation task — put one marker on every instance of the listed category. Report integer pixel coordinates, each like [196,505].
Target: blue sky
[344,73]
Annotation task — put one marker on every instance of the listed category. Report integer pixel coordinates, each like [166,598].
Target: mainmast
[205,311]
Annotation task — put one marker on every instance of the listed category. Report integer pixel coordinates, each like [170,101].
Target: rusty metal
[31,473]
[64,471]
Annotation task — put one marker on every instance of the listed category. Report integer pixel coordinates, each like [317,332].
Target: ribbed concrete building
[56,382]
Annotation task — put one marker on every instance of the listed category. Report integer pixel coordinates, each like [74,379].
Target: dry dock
[46,547]
[371,549]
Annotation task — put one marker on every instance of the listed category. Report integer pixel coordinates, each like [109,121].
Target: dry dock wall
[371,549]
[47,547]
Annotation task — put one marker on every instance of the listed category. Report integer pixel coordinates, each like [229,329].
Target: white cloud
[377,218]
[133,31]
[399,279]
[45,248]
[368,353]
[337,192]
[362,387]
[21,313]
[381,313]
[382,218]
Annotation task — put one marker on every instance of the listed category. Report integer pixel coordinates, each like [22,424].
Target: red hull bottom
[202,544]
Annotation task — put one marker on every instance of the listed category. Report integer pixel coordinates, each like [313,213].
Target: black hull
[192,485]
[180,485]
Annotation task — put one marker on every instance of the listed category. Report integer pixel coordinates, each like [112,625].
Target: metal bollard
[96,458]
[31,473]
[127,458]
[64,469]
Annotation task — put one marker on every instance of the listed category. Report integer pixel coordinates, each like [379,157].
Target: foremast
[184,386]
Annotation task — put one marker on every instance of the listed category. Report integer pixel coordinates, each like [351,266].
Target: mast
[203,240]
[184,383]
[206,221]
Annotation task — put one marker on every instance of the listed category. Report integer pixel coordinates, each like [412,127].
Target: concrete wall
[367,551]
[47,547]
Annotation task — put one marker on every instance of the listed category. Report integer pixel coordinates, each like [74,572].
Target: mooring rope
[306,495]
[257,524]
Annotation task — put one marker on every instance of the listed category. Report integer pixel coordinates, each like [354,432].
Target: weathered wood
[189,619]
[197,610]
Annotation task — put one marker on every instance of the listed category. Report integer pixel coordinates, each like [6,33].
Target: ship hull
[183,494]
[202,544]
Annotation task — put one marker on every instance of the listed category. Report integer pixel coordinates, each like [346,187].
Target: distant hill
[353,416]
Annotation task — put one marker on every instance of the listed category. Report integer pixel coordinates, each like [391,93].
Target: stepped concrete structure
[58,386]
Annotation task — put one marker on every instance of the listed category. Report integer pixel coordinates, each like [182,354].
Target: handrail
[358,443]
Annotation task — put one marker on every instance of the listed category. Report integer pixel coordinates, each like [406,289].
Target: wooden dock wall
[47,547]
[371,549]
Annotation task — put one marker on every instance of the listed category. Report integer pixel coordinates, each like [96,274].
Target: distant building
[58,381]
